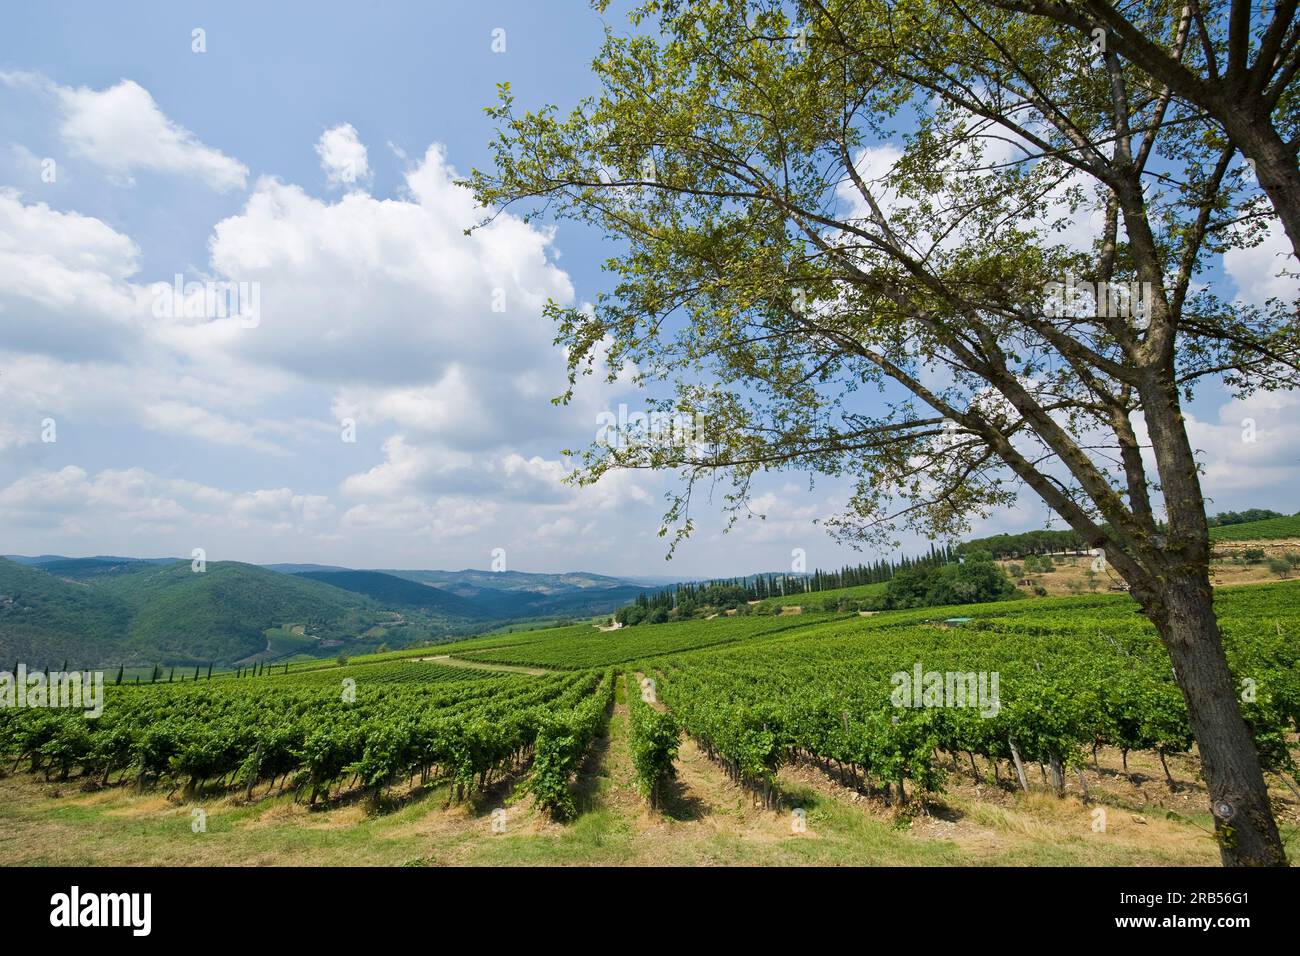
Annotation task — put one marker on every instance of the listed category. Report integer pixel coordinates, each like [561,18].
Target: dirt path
[447,660]
[703,796]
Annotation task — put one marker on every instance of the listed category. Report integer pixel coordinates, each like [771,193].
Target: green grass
[284,642]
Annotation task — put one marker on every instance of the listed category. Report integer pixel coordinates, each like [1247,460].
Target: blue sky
[313,150]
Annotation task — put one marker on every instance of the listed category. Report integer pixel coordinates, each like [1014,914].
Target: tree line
[687,598]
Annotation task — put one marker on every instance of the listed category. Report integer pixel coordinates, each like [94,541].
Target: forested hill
[166,613]
[107,611]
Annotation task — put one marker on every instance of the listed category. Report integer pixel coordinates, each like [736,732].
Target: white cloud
[64,285]
[414,470]
[1250,449]
[71,499]
[429,518]
[343,157]
[122,130]
[388,292]
[1258,272]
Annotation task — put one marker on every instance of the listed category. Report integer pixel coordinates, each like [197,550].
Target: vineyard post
[1020,767]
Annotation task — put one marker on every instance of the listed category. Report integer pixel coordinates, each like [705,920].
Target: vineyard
[366,725]
[582,647]
[1270,529]
[1090,674]
[866,702]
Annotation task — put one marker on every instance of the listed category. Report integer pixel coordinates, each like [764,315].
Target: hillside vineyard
[1073,674]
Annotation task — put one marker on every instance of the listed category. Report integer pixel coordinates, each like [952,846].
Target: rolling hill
[88,569]
[471,579]
[105,611]
[168,613]
[223,613]
[395,592]
[519,595]
[1270,529]
[45,620]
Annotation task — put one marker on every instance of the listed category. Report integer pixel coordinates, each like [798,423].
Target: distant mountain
[303,568]
[471,578]
[106,610]
[582,602]
[168,613]
[393,592]
[468,580]
[45,559]
[84,569]
[658,580]
[517,596]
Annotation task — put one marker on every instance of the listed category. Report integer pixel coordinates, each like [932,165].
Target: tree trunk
[1058,775]
[1175,595]
[1160,752]
[1275,168]
[1243,820]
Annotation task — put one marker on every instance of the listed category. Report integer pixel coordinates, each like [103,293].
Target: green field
[1271,529]
[863,592]
[585,646]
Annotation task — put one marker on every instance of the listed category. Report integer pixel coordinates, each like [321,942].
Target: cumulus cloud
[122,130]
[785,516]
[412,470]
[1265,271]
[1250,448]
[389,291]
[430,518]
[64,282]
[343,157]
[71,499]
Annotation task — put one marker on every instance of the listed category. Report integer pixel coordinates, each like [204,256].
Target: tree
[817,200]
[1242,517]
[1233,60]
